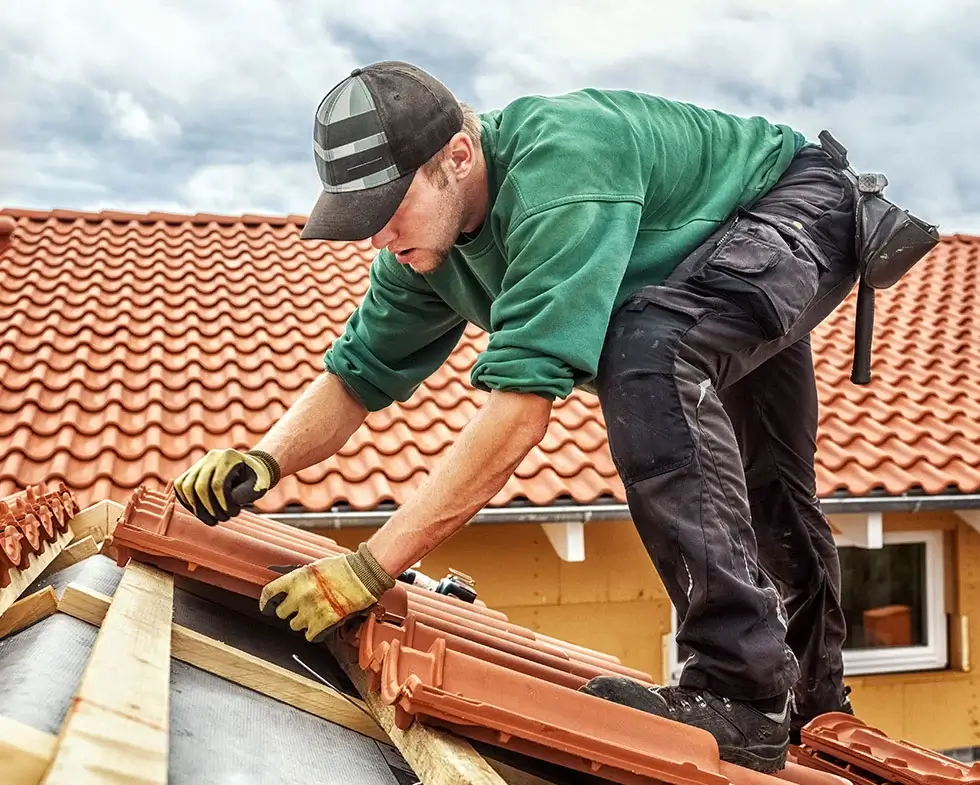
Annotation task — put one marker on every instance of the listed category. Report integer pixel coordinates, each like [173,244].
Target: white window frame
[883,659]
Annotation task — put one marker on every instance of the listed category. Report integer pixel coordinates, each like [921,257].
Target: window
[893,604]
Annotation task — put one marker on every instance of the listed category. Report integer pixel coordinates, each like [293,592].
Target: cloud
[130,120]
[208,106]
[258,187]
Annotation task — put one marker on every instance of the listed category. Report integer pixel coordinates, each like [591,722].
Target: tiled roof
[439,660]
[131,344]
[33,522]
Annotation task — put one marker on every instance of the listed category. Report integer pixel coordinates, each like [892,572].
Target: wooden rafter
[310,696]
[118,727]
[436,756]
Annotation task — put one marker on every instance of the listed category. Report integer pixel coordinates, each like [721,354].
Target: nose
[385,237]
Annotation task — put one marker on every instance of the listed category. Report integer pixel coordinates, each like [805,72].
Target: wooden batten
[436,756]
[21,579]
[96,521]
[118,727]
[28,610]
[25,752]
[237,666]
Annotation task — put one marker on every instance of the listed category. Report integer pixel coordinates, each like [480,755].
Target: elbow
[539,419]
[530,416]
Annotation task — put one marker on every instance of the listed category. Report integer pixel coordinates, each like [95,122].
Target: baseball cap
[371,134]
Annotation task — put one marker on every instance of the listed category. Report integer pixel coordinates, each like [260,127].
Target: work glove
[217,486]
[325,592]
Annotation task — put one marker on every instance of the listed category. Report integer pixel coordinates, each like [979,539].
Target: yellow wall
[614,602]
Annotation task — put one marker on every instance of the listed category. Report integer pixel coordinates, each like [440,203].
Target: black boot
[746,735]
[797,721]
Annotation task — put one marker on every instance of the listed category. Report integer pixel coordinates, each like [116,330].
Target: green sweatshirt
[593,194]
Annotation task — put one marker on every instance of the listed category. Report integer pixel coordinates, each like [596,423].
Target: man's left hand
[327,591]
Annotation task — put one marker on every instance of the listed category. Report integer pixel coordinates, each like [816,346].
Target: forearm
[472,472]
[315,427]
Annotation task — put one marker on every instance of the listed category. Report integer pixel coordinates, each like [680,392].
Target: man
[670,258]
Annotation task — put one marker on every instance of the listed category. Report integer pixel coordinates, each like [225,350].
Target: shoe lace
[685,698]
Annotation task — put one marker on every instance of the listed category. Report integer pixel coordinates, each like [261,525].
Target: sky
[208,106]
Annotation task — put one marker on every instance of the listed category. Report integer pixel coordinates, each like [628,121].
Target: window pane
[883,594]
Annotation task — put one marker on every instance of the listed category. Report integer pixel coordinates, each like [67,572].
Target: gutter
[587,513]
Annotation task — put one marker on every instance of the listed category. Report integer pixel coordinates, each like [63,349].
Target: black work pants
[707,387]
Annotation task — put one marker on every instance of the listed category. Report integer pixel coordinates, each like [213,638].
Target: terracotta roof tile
[132,343]
[844,745]
[442,661]
[30,520]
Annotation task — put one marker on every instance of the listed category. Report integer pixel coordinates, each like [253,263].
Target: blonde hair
[432,168]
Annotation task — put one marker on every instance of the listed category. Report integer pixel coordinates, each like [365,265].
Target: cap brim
[355,215]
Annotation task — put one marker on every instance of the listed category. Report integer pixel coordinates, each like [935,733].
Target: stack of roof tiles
[463,666]
[30,521]
[843,745]
[134,343]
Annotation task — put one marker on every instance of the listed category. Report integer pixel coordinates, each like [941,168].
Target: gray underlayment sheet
[221,732]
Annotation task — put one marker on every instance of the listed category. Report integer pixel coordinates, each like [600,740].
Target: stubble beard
[434,259]
[430,261]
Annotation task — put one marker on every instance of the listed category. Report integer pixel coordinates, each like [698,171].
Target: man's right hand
[216,487]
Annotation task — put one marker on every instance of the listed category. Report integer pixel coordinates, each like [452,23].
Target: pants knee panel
[647,431]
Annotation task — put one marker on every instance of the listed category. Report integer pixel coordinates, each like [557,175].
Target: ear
[462,155]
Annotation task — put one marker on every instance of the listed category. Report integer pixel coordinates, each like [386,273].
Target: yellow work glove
[325,592]
[217,486]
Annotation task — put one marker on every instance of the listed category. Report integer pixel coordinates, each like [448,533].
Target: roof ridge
[154,216]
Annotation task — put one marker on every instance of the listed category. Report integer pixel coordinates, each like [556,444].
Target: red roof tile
[844,745]
[442,661]
[132,343]
[30,521]
[437,657]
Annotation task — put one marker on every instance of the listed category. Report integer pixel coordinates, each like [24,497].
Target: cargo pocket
[766,274]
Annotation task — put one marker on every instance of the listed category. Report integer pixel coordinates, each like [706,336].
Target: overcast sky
[207,105]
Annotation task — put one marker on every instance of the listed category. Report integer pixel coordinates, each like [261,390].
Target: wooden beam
[261,676]
[959,642]
[72,554]
[118,727]
[26,752]
[437,757]
[28,610]
[96,521]
[238,666]
[21,579]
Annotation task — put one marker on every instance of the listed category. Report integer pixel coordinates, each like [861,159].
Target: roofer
[670,258]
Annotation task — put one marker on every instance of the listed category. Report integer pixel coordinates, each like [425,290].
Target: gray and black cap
[371,134]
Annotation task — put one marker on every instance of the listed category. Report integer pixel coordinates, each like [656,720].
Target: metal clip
[872,183]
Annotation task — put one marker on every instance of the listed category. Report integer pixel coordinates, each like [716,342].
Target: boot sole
[768,759]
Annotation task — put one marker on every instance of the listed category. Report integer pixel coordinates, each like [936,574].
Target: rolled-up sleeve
[549,322]
[399,334]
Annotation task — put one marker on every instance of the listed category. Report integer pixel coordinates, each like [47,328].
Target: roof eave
[567,513]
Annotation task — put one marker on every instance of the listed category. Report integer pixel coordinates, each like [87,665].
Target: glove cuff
[369,572]
[270,463]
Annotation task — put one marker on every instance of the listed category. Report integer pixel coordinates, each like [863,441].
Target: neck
[477,195]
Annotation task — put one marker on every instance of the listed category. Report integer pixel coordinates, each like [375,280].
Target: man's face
[430,218]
